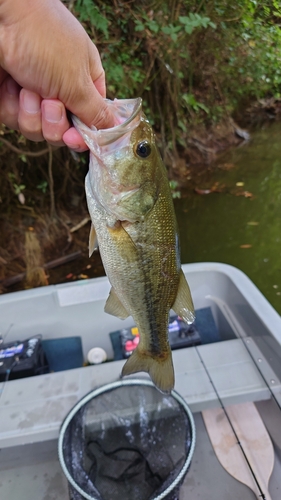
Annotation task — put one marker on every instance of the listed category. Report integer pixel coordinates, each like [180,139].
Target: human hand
[48,64]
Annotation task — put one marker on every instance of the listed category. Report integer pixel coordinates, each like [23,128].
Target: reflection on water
[232,226]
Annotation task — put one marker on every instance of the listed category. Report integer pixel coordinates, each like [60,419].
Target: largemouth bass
[132,212]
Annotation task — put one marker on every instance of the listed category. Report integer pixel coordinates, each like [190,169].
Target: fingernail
[31,102]
[12,87]
[74,147]
[52,112]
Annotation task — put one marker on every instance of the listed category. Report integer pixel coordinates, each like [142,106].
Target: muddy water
[239,221]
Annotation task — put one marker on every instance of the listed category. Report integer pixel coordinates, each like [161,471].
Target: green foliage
[193,21]
[191,61]
[23,158]
[17,188]
[185,24]
[89,12]
[174,189]
[43,186]
[191,103]
[252,53]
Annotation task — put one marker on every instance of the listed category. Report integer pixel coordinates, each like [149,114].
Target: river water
[239,222]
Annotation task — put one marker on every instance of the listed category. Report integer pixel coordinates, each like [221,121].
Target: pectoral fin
[123,241]
[183,305]
[114,306]
[93,241]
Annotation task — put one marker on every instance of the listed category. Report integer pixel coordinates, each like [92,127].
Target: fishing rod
[231,425]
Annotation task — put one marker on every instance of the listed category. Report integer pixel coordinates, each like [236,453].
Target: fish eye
[143,149]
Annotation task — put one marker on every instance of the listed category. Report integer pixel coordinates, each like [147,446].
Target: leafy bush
[191,61]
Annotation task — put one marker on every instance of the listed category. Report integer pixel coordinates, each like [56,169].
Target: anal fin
[114,306]
[183,305]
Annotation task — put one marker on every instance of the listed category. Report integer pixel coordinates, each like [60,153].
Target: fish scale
[132,212]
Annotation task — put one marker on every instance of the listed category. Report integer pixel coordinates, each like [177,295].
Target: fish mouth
[126,111]
[127,115]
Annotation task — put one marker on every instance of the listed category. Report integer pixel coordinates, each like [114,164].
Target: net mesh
[127,443]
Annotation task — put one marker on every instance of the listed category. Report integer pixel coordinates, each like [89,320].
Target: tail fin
[160,370]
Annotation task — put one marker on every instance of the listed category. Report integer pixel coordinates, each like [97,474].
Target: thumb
[3,75]
[92,108]
[86,92]
[88,104]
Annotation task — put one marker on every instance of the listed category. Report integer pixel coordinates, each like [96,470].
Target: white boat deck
[33,411]
[244,366]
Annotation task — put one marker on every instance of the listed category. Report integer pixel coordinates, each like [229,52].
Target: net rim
[108,387]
